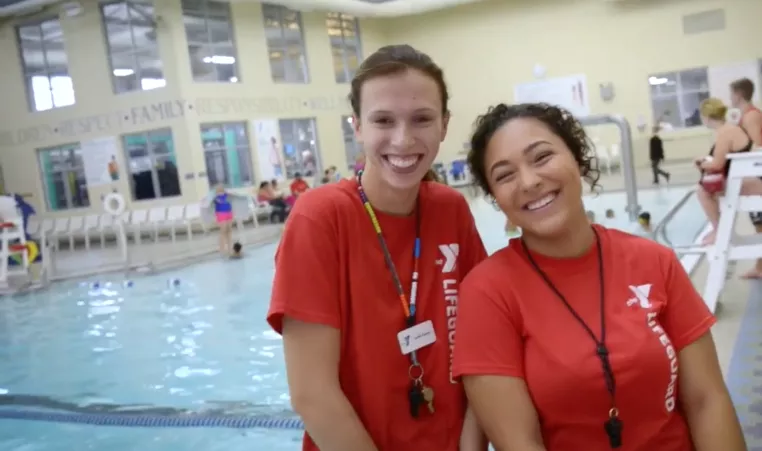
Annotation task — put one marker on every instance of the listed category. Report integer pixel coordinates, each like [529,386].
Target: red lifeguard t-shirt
[298,187]
[511,324]
[330,269]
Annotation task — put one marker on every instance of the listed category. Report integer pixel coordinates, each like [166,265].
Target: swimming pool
[151,348]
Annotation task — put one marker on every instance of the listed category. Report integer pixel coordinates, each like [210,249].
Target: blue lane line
[155,421]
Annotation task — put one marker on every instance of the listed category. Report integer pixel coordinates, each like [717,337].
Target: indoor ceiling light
[123,72]
[218,59]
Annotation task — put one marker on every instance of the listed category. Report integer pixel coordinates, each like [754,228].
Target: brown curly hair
[561,122]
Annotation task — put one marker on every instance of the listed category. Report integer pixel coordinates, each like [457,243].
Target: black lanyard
[613,425]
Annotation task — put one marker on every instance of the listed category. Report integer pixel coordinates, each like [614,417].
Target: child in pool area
[223,212]
[237,250]
[644,219]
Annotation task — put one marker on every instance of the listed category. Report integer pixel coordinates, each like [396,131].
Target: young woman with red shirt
[367,277]
[578,337]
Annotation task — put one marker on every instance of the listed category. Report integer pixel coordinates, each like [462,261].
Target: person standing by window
[299,186]
[656,153]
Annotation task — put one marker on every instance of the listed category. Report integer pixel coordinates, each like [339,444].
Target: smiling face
[534,177]
[401,126]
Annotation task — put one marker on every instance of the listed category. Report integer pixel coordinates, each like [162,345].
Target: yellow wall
[88,67]
[486,48]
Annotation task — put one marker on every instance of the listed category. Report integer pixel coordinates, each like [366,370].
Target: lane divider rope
[156,421]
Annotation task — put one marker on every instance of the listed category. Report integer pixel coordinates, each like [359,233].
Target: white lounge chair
[137,219]
[91,224]
[175,215]
[60,228]
[76,224]
[192,216]
[156,217]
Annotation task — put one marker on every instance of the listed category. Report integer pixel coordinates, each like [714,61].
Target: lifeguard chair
[12,244]
[728,247]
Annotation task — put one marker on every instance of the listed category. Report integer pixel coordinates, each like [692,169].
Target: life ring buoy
[32,252]
[114,204]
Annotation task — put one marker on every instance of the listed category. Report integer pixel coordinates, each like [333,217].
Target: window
[211,46]
[344,33]
[153,166]
[132,47]
[227,154]
[351,147]
[676,97]
[285,44]
[63,177]
[300,147]
[45,65]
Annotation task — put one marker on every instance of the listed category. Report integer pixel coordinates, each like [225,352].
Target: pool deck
[152,255]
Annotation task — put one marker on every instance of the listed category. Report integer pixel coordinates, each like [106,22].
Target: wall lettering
[159,112]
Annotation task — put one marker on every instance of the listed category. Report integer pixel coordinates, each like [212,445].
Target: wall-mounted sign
[156,113]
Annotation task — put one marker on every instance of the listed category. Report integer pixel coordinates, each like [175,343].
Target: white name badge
[416,337]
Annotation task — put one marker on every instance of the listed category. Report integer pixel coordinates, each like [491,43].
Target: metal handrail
[627,157]
[660,228]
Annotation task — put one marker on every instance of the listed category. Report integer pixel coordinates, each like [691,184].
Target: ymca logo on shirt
[450,253]
[641,293]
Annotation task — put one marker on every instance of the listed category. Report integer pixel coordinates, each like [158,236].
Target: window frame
[248,148]
[283,46]
[46,72]
[678,95]
[134,49]
[348,73]
[153,157]
[295,122]
[76,169]
[206,16]
[352,148]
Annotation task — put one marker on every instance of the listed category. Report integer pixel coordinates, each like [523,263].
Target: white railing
[126,228]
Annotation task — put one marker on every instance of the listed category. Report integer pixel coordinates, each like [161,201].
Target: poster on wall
[268,149]
[99,159]
[567,92]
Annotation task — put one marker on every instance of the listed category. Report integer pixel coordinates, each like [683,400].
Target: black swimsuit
[746,148]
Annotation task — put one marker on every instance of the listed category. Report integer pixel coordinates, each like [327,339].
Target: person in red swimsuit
[741,94]
[298,186]
[576,337]
[367,278]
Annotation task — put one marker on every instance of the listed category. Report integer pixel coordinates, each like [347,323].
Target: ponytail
[432,176]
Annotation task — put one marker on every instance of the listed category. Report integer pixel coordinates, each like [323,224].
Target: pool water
[199,345]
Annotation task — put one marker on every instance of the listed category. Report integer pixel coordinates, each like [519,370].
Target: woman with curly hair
[578,337]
